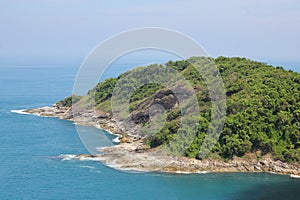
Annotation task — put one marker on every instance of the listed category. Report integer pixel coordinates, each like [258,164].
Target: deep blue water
[28,145]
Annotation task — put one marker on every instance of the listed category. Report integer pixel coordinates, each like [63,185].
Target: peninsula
[261,131]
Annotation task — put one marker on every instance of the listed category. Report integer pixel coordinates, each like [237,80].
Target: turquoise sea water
[30,144]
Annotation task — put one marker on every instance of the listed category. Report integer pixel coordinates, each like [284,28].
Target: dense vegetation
[263,108]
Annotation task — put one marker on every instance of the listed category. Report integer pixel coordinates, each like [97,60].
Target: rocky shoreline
[132,154]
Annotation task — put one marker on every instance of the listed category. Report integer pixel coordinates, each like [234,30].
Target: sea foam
[65,157]
[116,140]
[22,112]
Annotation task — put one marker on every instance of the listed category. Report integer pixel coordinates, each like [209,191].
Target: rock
[257,168]
[284,165]
[142,165]
[262,163]
[199,156]
[133,154]
[196,166]
[272,166]
[83,156]
[125,139]
[248,167]
[141,148]
[235,164]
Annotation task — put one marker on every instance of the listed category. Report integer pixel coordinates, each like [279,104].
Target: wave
[22,112]
[203,172]
[182,172]
[86,166]
[116,140]
[65,157]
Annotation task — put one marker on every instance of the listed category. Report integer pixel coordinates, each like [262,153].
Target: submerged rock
[84,156]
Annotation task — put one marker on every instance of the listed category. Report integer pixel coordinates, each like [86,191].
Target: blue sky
[62,31]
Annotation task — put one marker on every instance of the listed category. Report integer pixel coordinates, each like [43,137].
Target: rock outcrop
[133,154]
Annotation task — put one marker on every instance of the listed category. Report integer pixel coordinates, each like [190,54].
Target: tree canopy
[263,108]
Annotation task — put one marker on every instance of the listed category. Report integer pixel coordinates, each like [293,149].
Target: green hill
[263,107]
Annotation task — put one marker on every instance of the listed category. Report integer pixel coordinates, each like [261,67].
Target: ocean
[31,145]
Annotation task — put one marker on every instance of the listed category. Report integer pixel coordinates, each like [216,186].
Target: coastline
[132,155]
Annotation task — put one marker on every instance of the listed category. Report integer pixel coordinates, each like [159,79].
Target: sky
[65,31]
